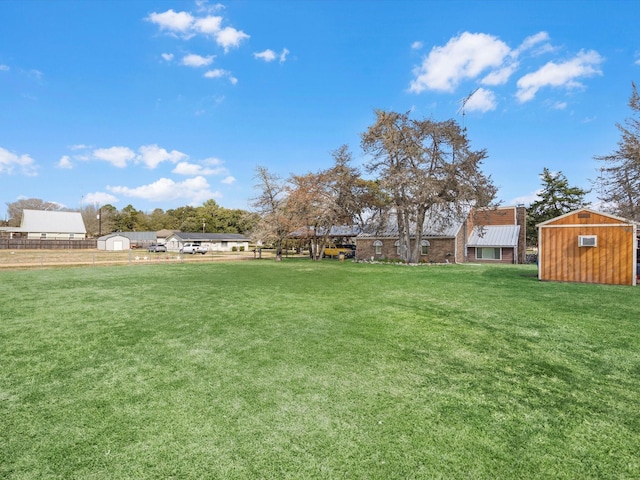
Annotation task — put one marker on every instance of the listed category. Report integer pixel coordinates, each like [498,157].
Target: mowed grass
[329,370]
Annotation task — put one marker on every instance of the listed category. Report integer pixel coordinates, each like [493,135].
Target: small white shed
[114,242]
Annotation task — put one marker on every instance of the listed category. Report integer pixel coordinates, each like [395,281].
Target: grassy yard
[295,370]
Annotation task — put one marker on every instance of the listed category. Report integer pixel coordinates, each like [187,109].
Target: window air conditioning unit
[587,240]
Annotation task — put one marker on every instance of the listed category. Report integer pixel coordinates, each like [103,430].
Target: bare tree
[14,209]
[335,197]
[316,209]
[619,179]
[428,171]
[272,205]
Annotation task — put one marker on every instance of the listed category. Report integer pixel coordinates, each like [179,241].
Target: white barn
[48,225]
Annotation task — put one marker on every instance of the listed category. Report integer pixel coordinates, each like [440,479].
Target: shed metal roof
[494,236]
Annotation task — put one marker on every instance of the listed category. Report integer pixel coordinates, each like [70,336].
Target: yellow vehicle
[348,251]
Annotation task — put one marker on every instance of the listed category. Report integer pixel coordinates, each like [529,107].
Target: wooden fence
[38,244]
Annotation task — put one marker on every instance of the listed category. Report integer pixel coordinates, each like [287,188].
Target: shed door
[117,244]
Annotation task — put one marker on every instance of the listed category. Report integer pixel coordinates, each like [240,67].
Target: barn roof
[46,221]
[133,236]
[494,236]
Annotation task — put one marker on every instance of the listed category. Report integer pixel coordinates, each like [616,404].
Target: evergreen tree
[555,199]
[619,180]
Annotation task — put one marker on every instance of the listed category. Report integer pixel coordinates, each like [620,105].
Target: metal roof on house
[335,231]
[204,237]
[441,221]
[47,221]
[444,228]
[494,236]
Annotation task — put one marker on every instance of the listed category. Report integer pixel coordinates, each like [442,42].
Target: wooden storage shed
[588,246]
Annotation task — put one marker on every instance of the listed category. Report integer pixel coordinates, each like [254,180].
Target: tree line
[101,220]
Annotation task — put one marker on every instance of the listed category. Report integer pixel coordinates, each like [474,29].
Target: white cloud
[10,161]
[501,75]
[79,146]
[482,100]
[4,68]
[220,73]
[209,166]
[195,190]
[228,180]
[193,60]
[190,169]
[99,198]
[172,21]
[149,155]
[465,56]
[268,55]
[167,56]
[559,105]
[585,64]
[530,42]
[152,155]
[65,162]
[230,37]
[209,25]
[417,45]
[116,156]
[526,199]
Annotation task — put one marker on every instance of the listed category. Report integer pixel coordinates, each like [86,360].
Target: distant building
[213,242]
[47,225]
[126,240]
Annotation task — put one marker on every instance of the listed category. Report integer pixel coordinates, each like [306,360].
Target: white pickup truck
[193,248]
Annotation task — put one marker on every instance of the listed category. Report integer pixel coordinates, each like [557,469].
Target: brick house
[493,235]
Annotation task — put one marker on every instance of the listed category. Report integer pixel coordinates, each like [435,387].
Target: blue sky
[160,104]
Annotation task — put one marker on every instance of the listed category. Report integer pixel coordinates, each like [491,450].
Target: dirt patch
[28,259]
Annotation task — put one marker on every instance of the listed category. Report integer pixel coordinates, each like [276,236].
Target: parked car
[349,251]
[193,248]
[157,247]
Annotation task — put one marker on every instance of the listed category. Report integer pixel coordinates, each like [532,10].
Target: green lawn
[329,370]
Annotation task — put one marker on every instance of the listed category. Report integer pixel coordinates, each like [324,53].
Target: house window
[424,247]
[587,240]
[71,235]
[43,235]
[488,253]
[398,248]
[377,246]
